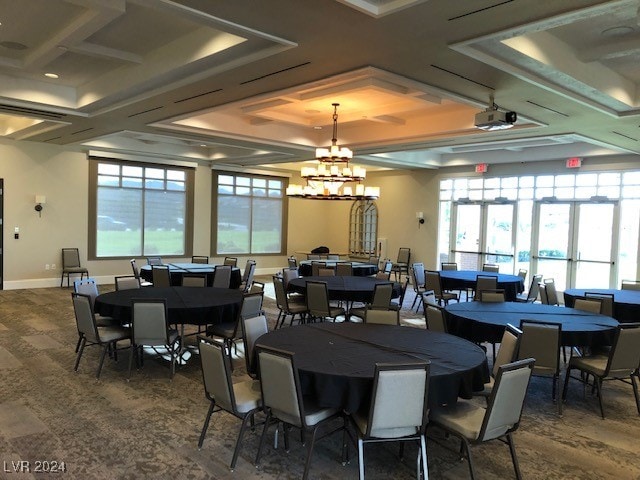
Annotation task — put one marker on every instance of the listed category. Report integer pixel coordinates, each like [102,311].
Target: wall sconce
[40,200]
[420,217]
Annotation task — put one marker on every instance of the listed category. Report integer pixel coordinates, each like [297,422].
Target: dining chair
[418,280]
[71,265]
[606,302]
[485,282]
[475,424]
[493,296]
[200,259]
[288,307]
[283,402]
[522,273]
[326,272]
[448,266]
[384,421]
[550,289]
[194,280]
[88,287]
[593,305]
[126,282]
[434,282]
[621,363]
[401,265]
[222,276]
[136,273]
[344,269]
[490,267]
[316,266]
[231,261]
[154,260]
[247,275]
[107,337]
[374,260]
[333,257]
[630,285]
[506,354]
[381,300]
[150,328]
[397,303]
[318,302]
[541,340]
[532,294]
[313,256]
[160,276]
[435,318]
[252,329]
[542,290]
[256,287]
[387,266]
[381,317]
[242,399]
[292,262]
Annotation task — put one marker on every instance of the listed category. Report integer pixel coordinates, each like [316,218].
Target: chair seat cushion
[224,330]
[361,421]
[248,395]
[296,308]
[113,334]
[75,270]
[336,311]
[595,364]
[315,414]
[106,321]
[463,417]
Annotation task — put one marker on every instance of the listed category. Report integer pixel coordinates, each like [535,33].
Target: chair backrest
[387,267]
[542,289]
[382,317]
[409,382]
[292,262]
[493,296]
[87,286]
[126,282]
[231,261]
[194,280]
[490,267]
[593,305]
[280,385]
[256,287]
[313,256]
[222,276]
[199,259]
[316,266]
[606,302]
[508,347]
[289,274]
[505,404]
[134,268]
[552,294]
[522,273]
[333,256]
[382,293]
[149,321]
[70,258]
[249,268]
[281,294]
[216,374]
[160,276]
[154,260]
[252,329]
[318,299]
[485,282]
[541,340]
[624,356]
[383,275]
[85,319]
[404,254]
[374,260]
[417,272]
[630,285]
[326,272]
[251,305]
[435,319]
[429,298]
[449,266]
[432,281]
[534,289]
[344,269]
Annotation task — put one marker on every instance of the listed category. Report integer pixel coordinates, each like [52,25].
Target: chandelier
[327,180]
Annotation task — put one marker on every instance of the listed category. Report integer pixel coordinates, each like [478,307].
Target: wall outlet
[53,266]
[47,266]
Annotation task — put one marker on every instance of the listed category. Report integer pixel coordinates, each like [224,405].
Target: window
[248,214]
[140,210]
[363,228]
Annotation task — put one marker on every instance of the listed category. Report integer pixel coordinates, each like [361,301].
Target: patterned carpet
[149,427]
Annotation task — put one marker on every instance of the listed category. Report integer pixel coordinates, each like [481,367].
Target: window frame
[214,210]
[93,206]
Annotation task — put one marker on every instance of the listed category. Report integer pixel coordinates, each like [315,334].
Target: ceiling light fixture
[51,75]
[326,182]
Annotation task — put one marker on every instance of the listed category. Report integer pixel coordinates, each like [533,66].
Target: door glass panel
[593,254]
[468,236]
[553,242]
[629,235]
[500,236]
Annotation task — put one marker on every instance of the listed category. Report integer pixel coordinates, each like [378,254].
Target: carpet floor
[149,427]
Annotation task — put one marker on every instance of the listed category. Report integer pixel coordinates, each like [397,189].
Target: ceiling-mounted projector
[492,119]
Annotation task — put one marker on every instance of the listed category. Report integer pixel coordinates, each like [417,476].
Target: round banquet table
[336,361]
[626,303]
[185,305]
[360,269]
[176,270]
[351,289]
[466,279]
[485,322]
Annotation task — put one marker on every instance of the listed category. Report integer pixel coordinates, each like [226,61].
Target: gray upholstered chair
[522,273]
[252,329]
[333,257]
[242,399]
[382,293]
[247,275]
[593,305]
[87,286]
[292,262]
[344,269]
[150,328]
[154,261]
[71,265]
[401,265]
[283,401]
[542,290]
[222,276]
[287,307]
[532,294]
[490,267]
[160,276]
[448,266]
[194,280]
[318,302]
[397,303]
[435,319]
[552,293]
[606,302]
[91,334]
[506,354]
[541,340]
[256,287]
[418,280]
[382,317]
[434,282]
[126,282]
[630,285]
[493,296]
[388,421]
[231,261]
[620,363]
[200,259]
[485,282]
[136,273]
[475,424]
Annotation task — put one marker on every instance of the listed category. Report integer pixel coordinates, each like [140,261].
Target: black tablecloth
[465,279]
[626,303]
[359,269]
[485,322]
[176,270]
[353,289]
[336,360]
[185,305]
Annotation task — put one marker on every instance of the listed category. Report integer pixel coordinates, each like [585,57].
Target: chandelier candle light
[326,181]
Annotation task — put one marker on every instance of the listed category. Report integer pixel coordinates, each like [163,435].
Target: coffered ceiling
[248,83]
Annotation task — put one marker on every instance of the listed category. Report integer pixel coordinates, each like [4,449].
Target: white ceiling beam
[99,51]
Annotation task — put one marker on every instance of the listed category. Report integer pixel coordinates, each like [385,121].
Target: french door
[575,243]
[483,233]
